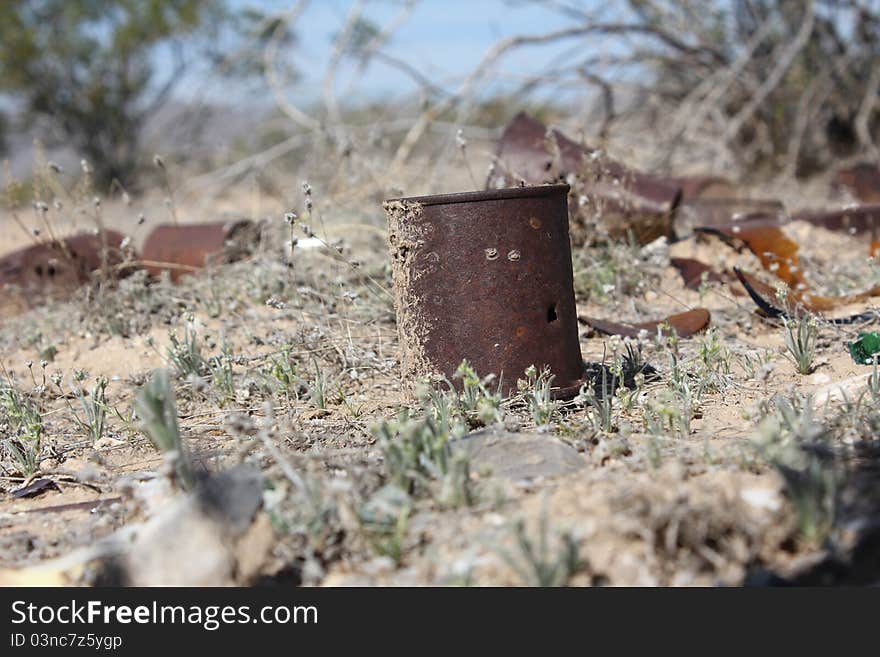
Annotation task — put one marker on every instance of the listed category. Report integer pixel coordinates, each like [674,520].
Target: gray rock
[518,456]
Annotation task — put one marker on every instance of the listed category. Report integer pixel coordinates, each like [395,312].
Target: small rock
[518,456]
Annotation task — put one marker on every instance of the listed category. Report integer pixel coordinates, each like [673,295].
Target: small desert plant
[536,390]
[598,398]
[311,511]
[94,409]
[417,454]
[670,412]
[282,374]
[186,354]
[415,450]
[156,407]
[316,388]
[538,565]
[756,365]
[713,367]
[23,428]
[222,374]
[797,446]
[478,404]
[800,341]
[472,406]
[384,520]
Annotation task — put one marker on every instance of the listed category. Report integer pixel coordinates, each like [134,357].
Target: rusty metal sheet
[486,277]
[778,254]
[685,324]
[692,271]
[35,488]
[622,199]
[183,249]
[862,181]
[702,187]
[704,212]
[776,251]
[48,270]
[862,220]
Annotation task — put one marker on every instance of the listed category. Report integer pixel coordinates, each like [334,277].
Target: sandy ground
[643,507]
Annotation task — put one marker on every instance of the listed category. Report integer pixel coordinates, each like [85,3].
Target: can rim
[485,195]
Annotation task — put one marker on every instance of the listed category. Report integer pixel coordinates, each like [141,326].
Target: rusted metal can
[487,277]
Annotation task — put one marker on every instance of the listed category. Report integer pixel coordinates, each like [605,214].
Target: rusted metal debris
[778,254]
[776,251]
[35,488]
[702,187]
[186,248]
[34,274]
[694,272]
[858,220]
[707,212]
[611,199]
[486,277]
[685,324]
[795,304]
[88,505]
[862,181]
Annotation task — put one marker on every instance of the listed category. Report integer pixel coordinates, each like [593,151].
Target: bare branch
[270,56]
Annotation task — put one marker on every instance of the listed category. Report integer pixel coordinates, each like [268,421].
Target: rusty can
[486,277]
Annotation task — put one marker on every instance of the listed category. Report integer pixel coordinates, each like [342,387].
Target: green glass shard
[863,349]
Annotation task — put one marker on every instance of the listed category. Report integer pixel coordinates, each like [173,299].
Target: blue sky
[444,39]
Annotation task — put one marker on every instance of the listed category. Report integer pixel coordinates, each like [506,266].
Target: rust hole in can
[535,223]
[552,315]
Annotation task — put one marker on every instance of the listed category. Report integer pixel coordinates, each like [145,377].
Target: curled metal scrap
[771,305]
[764,238]
[685,324]
[692,272]
[778,253]
[641,203]
[861,180]
[186,248]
